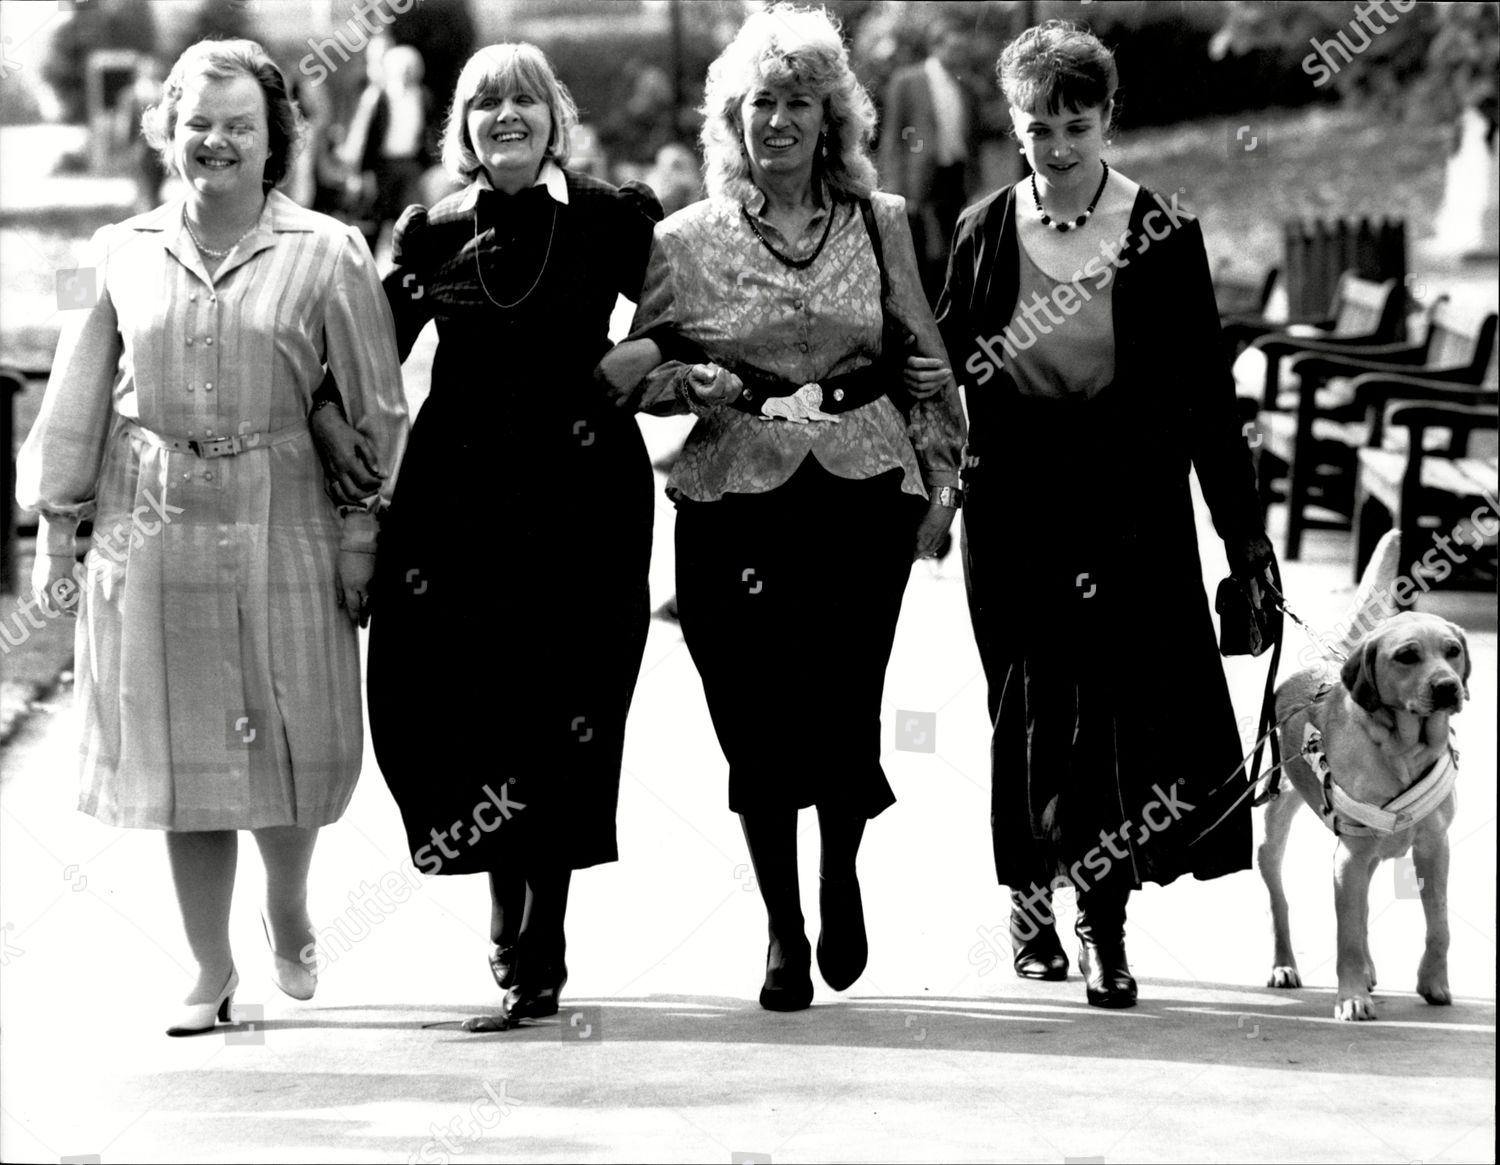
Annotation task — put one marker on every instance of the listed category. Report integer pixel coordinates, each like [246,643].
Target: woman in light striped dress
[217,655]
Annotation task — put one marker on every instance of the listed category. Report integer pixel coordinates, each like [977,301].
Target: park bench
[1321,423]
[1441,495]
[1362,313]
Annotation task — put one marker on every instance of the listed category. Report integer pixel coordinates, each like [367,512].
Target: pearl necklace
[1082,218]
[209,252]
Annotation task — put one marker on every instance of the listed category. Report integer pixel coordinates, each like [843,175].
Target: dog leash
[1336,656]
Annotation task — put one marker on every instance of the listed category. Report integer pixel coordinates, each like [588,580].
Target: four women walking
[218,677]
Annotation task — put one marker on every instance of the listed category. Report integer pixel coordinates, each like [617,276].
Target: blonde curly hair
[784,45]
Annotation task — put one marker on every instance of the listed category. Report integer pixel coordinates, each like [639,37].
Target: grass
[1319,163]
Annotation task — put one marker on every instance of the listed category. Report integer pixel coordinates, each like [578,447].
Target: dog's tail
[1373,601]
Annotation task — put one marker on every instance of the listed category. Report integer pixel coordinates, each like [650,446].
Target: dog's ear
[1463,641]
[1359,674]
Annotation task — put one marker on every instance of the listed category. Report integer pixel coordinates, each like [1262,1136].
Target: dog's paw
[1354,1007]
[1434,989]
[1284,977]
[1370,976]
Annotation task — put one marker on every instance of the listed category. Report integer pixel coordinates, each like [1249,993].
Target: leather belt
[219,446]
[841,394]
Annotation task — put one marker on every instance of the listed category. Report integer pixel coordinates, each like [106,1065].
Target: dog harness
[1350,818]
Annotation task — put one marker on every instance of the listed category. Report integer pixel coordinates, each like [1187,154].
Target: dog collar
[1348,817]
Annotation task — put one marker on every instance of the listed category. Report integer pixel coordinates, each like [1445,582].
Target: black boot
[541,969]
[1033,937]
[1101,951]
[772,839]
[507,909]
[843,946]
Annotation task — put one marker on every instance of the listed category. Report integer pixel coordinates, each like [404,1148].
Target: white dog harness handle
[1348,817]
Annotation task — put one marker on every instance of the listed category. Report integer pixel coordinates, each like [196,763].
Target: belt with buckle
[841,394]
[213,447]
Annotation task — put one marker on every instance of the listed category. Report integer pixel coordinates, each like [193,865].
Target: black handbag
[1243,630]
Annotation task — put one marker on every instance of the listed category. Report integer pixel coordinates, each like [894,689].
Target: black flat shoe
[789,986]
[523,1002]
[503,966]
[843,946]
[1106,975]
[1036,951]
[1038,960]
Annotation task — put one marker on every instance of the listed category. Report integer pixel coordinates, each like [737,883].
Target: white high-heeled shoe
[203,1017]
[294,977]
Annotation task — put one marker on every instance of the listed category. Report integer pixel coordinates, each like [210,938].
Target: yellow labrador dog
[1370,753]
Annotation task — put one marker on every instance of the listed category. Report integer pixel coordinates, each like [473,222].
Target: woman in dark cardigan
[511,607]
[1080,314]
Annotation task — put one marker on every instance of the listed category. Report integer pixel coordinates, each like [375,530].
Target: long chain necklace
[794,264]
[209,252]
[1082,218]
[534,282]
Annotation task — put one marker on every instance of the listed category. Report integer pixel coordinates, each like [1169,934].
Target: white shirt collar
[551,176]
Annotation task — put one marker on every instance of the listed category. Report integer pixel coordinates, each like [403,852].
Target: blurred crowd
[367,166]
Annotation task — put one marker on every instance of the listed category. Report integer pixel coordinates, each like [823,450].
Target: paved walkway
[662,1054]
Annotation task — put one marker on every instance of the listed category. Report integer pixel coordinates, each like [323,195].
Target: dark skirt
[1114,741]
[510,620]
[789,601]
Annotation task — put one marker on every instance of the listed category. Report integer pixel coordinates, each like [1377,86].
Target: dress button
[208,475]
[192,297]
[190,433]
[209,341]
[209,386]
[797,303]
[210,432]
[190,341]
[190,388]
[186,476]
[838,394]
[802,346]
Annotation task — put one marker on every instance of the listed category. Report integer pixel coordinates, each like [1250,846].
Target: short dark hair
[1057,65]
[221,60]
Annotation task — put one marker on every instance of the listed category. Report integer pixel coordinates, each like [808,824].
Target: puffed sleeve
[935,425]
[638,212]
[406,285]
[360,337]
[57,471]
[657,315]
[1220,452]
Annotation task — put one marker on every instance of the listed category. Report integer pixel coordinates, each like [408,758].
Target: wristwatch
[947,495]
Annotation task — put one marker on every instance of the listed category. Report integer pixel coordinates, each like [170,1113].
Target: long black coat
[511,608]
[1106,691]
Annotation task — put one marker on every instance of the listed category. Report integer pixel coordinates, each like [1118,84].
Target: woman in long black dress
[1080,314]
[512,608]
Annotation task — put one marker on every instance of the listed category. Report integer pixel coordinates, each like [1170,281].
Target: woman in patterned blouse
[815,473]
[218,679]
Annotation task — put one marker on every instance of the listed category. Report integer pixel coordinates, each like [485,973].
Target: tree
[110,24]
[1427,63]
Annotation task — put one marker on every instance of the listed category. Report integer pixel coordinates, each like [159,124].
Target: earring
[823,144]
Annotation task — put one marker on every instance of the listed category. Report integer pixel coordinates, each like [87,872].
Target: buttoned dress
[217,678]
